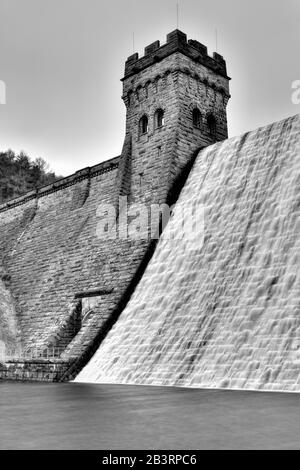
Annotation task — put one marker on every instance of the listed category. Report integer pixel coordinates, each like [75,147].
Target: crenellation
[152,47]
[176,42]
[177,37]
[197,45]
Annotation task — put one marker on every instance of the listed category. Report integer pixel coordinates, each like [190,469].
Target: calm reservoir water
[87,416]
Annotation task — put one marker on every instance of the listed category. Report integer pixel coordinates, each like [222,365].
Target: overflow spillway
[223,312]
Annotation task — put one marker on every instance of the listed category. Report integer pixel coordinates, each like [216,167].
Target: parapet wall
[63,183]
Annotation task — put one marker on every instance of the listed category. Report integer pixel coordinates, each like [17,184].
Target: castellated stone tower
[176,97]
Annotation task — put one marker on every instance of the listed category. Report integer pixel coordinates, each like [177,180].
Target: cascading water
[224,312]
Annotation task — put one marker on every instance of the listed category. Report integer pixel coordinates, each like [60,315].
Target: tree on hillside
[19,174]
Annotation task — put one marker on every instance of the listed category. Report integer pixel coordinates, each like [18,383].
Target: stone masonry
[66,285]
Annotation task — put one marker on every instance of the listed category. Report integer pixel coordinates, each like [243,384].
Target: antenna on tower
[133,45]
[216,33]
[177,13]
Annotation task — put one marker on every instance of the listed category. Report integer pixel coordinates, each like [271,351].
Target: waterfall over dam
[226,312]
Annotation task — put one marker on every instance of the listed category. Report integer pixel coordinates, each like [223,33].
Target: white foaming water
[225,312]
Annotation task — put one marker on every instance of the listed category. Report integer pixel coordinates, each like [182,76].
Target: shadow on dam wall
[223,313]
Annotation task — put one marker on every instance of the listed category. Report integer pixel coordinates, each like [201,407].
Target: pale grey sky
[62,61]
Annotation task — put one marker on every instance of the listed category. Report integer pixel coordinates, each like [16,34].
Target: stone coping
[62,183]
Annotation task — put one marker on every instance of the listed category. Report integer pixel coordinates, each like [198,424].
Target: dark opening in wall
[147,88]
[197,118]
[130,97]
[143,125]
[212,125]
[159,118]
[67,329]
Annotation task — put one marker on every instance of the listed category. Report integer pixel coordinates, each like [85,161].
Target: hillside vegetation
[20,174]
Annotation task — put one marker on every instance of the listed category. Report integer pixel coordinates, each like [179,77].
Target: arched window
[197,118]
[159,118]
[212,125]
[130,97]
[147,88]
[157,82]
[139,91]
[143,126]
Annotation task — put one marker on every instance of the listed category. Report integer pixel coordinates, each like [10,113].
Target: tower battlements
[176,42]
[176,97]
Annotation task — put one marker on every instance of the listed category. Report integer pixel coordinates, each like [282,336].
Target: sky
[62,61]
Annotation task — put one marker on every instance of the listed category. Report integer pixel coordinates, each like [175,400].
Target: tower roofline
[176,42]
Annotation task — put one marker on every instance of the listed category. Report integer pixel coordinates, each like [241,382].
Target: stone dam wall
[8,320]
[63,282]
[225,312]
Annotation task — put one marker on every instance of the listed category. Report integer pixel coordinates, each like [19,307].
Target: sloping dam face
[225,312]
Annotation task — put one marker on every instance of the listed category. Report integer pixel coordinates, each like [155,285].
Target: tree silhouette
[19,174]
